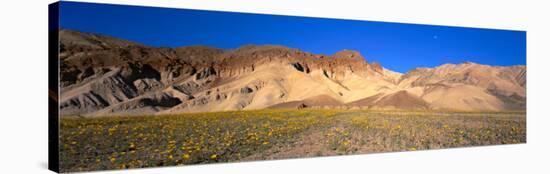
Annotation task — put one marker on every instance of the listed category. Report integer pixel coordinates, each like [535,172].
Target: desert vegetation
[120,142]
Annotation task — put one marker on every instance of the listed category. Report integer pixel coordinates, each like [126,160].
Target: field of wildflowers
[148,141]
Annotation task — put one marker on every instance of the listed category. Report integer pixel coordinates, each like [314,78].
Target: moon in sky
[435,36]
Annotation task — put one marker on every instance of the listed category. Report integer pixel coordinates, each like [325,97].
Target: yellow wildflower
[185,156]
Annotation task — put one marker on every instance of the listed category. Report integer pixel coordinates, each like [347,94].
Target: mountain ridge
[101,75]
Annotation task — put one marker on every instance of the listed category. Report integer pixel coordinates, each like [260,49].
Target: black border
[53,88]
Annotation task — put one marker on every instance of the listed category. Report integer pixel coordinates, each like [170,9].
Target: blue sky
[398,47]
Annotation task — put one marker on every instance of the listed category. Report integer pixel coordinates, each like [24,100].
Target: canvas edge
[53,87]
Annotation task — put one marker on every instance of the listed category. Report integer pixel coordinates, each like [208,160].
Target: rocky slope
[107,76]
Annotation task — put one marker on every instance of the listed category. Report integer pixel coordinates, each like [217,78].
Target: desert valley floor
[196,138]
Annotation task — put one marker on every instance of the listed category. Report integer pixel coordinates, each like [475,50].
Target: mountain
[101,75]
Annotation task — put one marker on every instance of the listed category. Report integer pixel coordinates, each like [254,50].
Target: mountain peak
[253,47]
[347,54]
[91,40]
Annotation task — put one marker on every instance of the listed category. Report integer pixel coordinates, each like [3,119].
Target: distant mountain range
[102,75]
